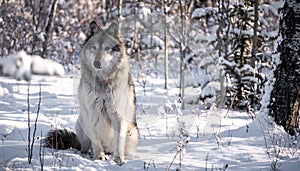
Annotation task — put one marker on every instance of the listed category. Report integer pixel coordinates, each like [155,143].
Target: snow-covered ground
[192,139]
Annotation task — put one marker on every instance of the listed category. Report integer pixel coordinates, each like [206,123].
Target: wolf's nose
[116,48]
[97,64]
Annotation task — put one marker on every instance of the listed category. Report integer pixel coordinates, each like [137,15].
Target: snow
[217,138]
[200,12]
[207,138]
[20,65]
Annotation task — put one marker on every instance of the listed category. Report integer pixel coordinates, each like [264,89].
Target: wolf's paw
[119,160]
[101,156]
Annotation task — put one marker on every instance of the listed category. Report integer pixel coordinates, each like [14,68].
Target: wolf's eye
[93,48]
[107,48]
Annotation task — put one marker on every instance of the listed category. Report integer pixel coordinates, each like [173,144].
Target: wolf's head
[101,46]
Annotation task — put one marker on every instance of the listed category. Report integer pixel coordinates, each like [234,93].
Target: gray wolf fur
[107,119]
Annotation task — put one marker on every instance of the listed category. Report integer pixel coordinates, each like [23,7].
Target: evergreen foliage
[234,41]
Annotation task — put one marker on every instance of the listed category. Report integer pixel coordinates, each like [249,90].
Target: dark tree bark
[166,60]
[48,30]
[285,96]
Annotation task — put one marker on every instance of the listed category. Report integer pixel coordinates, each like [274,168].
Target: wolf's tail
[61,139]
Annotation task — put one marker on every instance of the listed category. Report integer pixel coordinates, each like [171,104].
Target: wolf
[107,119]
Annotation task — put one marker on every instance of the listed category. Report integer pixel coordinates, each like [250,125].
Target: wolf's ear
[95,27]
[113,29]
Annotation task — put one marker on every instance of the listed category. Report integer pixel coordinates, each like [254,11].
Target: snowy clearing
[210,139]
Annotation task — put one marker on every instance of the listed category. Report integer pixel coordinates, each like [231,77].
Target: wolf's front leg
[98,152]
[120,126]
[84,140]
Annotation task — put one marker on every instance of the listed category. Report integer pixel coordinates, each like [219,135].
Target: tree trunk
[285,96]
[48,30]
[166,48]
[254,39]
[185,16]
[182,53]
